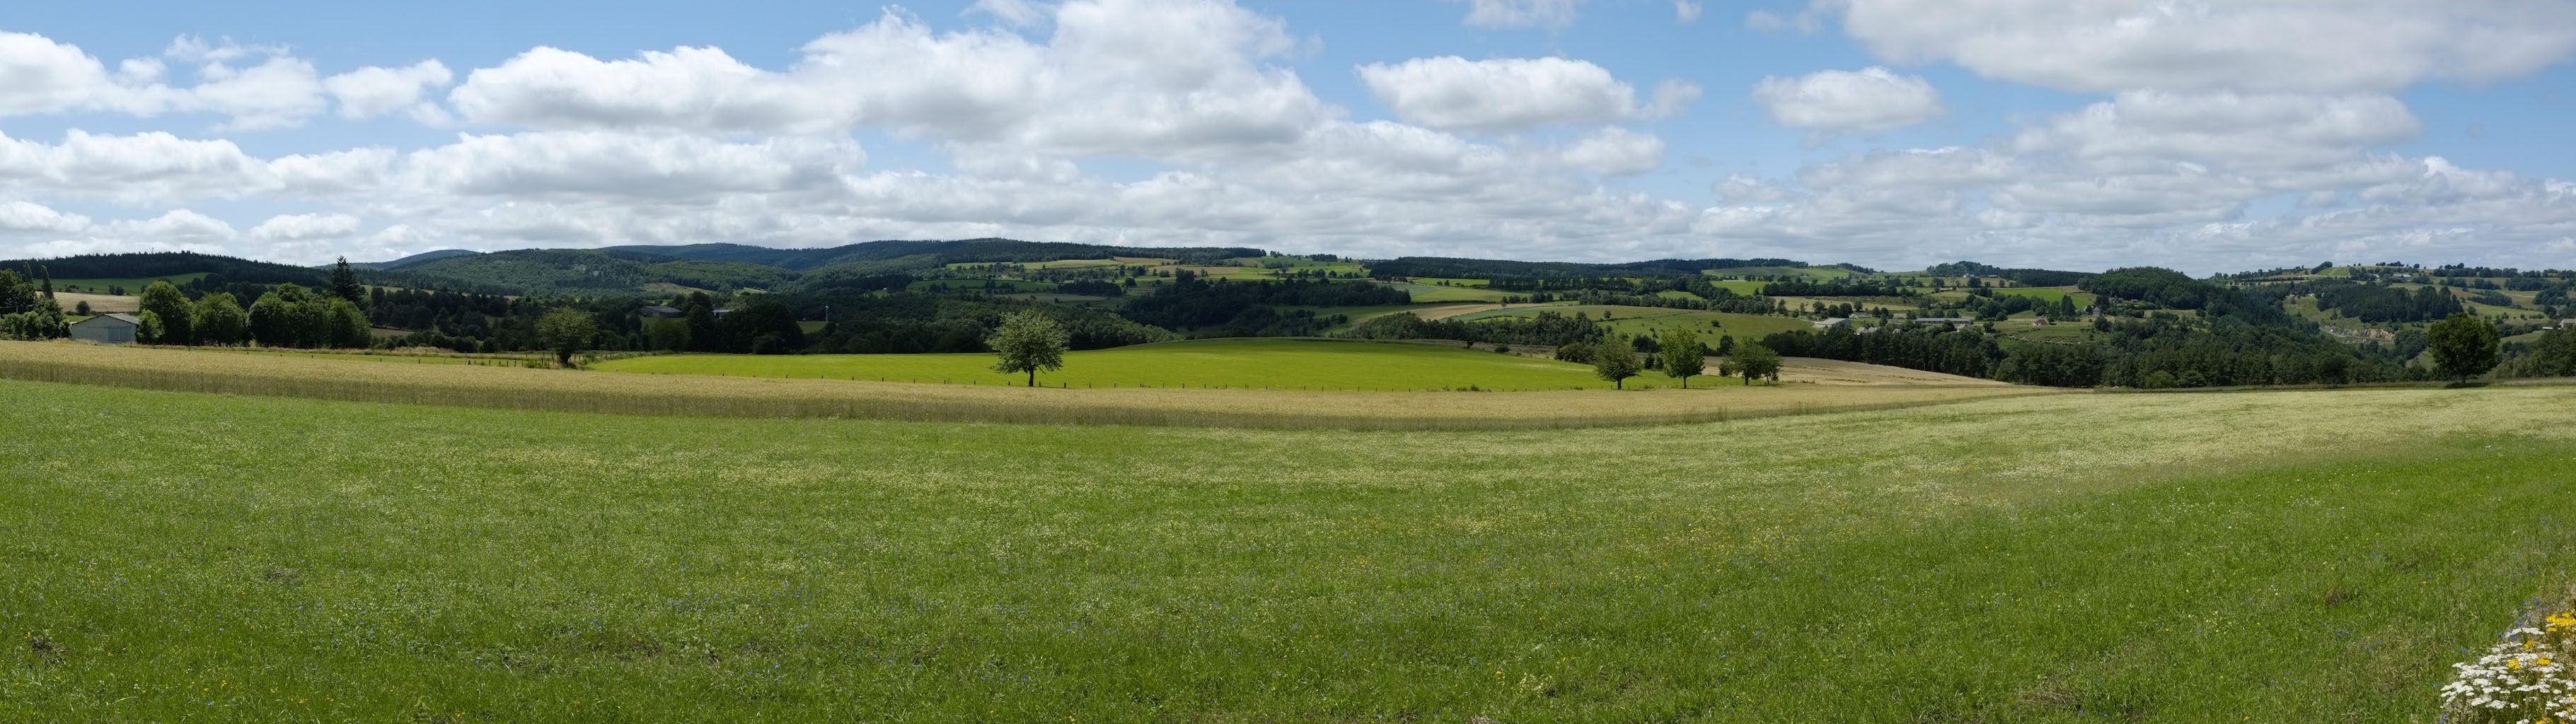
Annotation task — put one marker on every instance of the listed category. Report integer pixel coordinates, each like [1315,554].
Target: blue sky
[1892,133]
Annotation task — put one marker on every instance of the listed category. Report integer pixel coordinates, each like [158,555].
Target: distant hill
[1452,267]
[942,252]
[595,270]
[410,260]
[169,264]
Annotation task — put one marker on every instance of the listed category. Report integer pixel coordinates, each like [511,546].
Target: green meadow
[1424,293]
[1239,363]
[1628,321]
[2273,557]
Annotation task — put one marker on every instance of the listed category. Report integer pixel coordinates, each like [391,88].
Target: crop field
[101,303]
[1238,363]
[345,377]
[2273,557]
[1430,293]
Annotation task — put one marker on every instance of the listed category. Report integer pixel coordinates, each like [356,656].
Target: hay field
[2273,557]
[99,303]
[361,378]
[1273,363]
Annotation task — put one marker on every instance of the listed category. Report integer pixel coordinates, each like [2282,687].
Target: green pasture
[1237,363]
[2049,294]
[997,286]
[1452,281]
[2269,557]
[1741,287]
[132,286]
[1427,293]
[1811,272]
[1630,321]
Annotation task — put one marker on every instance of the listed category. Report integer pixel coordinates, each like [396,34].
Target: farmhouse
[659,312]
[107,328]
[2567,324]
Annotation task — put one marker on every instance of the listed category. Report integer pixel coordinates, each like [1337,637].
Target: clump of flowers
[2524,678]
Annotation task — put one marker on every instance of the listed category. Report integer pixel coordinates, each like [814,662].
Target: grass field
[2050,294]
[2270,557]
[101,303]
[1811,272]
[1632,321]
[1239,363]
[997,286]
[393,379]
[1741,287]
[1451,281]
[1429,293]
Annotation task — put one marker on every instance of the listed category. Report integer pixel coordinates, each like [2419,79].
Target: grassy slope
[1272,363]
[1631,321]
[2273,557]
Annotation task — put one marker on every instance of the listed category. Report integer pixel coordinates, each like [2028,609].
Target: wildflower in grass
[2524,678]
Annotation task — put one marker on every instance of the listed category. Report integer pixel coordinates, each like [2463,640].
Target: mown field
[2218,557]
[408,380]
[1225,363]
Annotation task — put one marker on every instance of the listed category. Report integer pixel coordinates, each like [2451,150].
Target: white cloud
[1513,93]
[41,76]
[181,228]
[659,168]
[2255,45]
[1615,151]
[21,217]
[1521,13]
[373,91]
[1870,99]
[1016,12]
[305,227]
[1164,79]
[1686,11]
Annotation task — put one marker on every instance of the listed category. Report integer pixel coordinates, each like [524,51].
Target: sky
[2203,136]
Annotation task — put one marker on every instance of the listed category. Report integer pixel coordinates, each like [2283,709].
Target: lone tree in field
[1029,340]
[1683,357]
[2464,345]
[566,330]
[1615,361]
[1756,361]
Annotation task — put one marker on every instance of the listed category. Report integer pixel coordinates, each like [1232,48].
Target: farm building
[2567,324]
[658,312]
[107,328]
[1830,322]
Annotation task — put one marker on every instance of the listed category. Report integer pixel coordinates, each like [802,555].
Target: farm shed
[2567,324]
[107,328]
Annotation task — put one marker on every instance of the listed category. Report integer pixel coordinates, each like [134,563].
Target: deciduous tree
[1029,340]
[1615,361]
[566,330]
[221,319]
[1683,357]
[164,300]
[2463,345]
[1755,361]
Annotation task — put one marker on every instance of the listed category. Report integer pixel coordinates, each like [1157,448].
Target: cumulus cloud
[1521,13]
[304,227]
[374,91]
[21,217]
[1686,11]
[2253,45]
[633,166]
[1513,93]
[256,88]
[1615,151]
[1165,79]
[1869,99]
